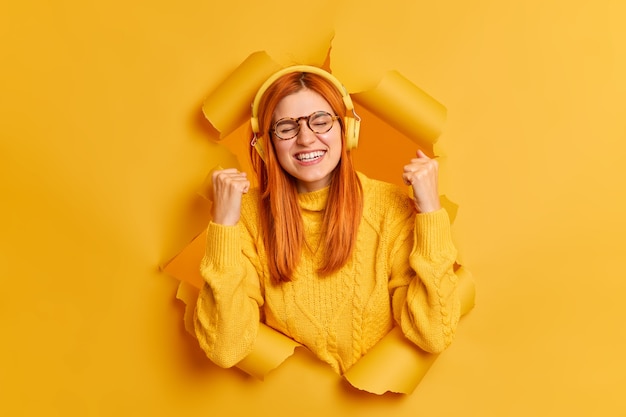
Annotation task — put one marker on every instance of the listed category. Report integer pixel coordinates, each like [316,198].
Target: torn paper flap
[188,294]
[228,106]
[271,349]
[394,364]
[185,266]
[406,107]
[397,365]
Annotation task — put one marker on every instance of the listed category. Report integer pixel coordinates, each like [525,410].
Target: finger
[421,154]
[238,182]
[417,165]
[235,183]
[227,171]
[235,176]
[226,176]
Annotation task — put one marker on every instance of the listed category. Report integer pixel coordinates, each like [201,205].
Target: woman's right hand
[229,186]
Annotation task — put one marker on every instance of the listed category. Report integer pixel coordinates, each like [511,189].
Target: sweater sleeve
[227,315]
[423,284]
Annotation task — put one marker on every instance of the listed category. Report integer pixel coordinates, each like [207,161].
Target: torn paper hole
[394,364]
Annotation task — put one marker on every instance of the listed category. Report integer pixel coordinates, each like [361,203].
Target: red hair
[280,217]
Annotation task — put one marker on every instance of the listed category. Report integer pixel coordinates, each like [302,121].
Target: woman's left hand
[422,174]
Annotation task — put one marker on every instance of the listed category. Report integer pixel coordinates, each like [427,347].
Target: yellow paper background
[103,147]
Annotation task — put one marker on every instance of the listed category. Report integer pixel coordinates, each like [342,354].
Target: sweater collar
[315,200]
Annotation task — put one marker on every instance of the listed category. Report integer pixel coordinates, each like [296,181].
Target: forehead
[301,103]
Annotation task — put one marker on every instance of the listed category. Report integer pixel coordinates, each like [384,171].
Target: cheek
[282,150]
[332,139]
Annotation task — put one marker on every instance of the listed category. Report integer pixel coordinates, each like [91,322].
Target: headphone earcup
[254,124]
[352,126]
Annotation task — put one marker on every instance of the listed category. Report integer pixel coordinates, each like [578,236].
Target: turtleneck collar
[315,200]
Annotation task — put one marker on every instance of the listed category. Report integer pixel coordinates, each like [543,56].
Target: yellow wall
[103,147]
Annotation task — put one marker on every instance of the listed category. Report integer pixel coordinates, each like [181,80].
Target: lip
[313,161]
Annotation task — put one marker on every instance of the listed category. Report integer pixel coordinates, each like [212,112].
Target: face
[309,157]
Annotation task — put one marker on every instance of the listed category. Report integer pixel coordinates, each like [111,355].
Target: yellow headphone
[351,123]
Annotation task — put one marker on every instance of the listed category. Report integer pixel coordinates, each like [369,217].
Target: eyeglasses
[319,122]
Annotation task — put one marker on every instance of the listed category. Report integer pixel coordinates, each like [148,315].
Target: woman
[320,252]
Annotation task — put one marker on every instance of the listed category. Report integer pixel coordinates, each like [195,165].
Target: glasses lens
[320,122]
[286,129]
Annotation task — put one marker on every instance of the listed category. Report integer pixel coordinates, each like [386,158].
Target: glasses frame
[308,123]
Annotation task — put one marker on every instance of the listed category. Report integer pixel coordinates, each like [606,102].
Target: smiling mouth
[310,156]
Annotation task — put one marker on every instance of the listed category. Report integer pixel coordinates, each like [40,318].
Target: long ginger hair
[280,216]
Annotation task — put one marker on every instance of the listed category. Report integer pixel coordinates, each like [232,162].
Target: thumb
[421,154]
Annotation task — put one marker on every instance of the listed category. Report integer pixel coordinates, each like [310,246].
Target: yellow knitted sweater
[400,274]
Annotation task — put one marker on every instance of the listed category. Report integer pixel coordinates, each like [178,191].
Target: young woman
[319,252]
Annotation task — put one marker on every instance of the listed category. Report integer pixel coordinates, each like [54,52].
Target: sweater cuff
[223,245]
[432,233]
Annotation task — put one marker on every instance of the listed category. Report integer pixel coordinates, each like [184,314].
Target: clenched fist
[229,186]
[422,174]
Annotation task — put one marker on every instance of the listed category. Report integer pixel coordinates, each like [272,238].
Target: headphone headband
[351,124]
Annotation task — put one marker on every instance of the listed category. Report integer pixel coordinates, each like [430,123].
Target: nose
[305,135]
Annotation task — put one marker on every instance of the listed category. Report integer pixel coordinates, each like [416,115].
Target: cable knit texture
[401,273]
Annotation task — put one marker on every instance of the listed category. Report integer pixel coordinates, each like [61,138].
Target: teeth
[309,156]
